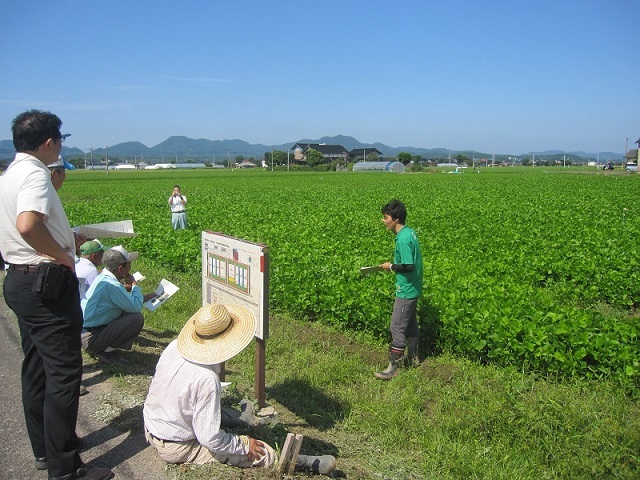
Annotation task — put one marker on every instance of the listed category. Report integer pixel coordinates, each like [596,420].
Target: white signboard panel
[235,271]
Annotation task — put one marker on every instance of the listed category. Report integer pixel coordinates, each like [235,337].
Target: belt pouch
[51,282]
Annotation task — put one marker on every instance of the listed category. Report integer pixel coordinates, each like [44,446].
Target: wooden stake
[289,454]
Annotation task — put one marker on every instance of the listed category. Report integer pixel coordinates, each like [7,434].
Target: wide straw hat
[215,333]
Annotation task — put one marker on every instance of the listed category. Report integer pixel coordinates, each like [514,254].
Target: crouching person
[182,412]
[112,309]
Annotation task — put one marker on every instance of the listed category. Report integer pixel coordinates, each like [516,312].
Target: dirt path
[124,450]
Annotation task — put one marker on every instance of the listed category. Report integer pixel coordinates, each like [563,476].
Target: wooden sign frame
[235,271]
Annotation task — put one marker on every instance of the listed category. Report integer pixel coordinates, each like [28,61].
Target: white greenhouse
[396,167]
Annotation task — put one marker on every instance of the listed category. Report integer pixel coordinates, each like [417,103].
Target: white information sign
[235,271]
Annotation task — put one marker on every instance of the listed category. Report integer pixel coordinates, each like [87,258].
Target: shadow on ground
[317,409]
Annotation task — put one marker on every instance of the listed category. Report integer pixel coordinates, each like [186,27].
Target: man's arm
[149,296]
[128,302]
[79,239]
[398,267]
[31,227]
[130,282]
[207,414]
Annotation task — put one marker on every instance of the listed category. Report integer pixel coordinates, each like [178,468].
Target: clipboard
[368,270]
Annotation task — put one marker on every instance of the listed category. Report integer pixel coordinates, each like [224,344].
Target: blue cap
[61,162]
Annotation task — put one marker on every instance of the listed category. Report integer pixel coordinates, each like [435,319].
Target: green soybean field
[532,268]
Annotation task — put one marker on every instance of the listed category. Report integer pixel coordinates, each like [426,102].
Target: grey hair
[112,259]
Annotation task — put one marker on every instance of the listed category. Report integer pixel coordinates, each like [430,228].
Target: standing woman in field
[178,202]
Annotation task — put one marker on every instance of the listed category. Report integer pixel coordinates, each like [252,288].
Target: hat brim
[92,251]
[133,256]
[222,347]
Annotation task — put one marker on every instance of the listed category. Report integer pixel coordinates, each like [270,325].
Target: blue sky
[493,76]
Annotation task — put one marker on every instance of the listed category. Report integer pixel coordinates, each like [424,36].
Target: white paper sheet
[368,270]
[123,228]
[164,291]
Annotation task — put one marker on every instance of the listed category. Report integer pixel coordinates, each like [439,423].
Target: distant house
[358,154]
[329,152]
[632,155]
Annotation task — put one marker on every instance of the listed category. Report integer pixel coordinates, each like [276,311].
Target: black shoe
[83,390]
[111,358]
[87,473]
[42,464]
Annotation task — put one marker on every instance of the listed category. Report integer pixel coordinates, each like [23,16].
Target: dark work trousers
[404,322]
[51,369]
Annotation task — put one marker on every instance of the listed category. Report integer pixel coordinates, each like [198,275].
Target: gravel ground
[125,452]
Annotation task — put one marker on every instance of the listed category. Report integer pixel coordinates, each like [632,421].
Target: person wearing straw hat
[182,412]
[112,308]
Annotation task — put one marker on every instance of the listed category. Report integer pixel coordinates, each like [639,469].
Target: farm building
[329,152]
[396,167]
[362,153]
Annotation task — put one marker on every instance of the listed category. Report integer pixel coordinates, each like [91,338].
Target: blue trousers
[179,220]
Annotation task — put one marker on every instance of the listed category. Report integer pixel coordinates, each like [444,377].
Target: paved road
[126,454]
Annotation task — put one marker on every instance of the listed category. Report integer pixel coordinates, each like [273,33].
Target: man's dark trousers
[51,369]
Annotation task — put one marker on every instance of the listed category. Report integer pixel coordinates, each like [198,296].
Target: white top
[184,404]
[25,187]
[176,203]
[87,273]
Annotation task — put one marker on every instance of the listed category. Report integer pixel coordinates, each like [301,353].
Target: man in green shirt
[407,265]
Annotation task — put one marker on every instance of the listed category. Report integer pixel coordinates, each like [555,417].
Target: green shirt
[408,284]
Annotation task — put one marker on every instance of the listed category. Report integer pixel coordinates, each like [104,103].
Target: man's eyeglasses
[64,137]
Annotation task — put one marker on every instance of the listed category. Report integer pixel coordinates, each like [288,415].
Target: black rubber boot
[413,358]
[322,465]
[395,358]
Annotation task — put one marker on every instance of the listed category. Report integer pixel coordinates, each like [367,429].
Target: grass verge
[447,419]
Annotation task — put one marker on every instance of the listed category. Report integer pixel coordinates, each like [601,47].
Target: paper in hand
[368,270]
[164,291]
[123,228]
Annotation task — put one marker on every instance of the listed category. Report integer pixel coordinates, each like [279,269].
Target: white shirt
[86,272]
[176,203]
[184,404]
[26,187]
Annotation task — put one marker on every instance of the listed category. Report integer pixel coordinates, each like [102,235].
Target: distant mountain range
[183,148]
